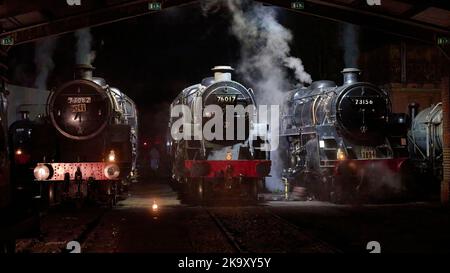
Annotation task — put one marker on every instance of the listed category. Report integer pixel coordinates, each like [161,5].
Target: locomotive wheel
[336,195]
[343,191]
[191,192]
[337,192]
[198,193]
[113,194]
[207,192]
[183,193]
[253,191]
[324,192]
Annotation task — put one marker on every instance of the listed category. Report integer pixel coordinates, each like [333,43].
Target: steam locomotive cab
[96,140]
[337,138]
[232,164]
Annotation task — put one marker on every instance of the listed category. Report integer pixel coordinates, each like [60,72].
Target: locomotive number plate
[77,100]
[79,108]
[368,153]
[226,98]
[362,101]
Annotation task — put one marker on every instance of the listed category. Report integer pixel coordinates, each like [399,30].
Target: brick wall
[403,95]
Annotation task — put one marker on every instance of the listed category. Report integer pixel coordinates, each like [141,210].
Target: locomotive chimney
[222,73]
[351,75]
[83,71]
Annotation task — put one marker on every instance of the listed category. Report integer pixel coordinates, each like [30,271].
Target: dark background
[152,58]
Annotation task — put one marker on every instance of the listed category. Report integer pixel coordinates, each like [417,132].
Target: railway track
[236,246]
[256,229]
[60,226]
[89,228]
[300,229]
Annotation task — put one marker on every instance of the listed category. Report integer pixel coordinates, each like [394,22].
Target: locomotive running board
[96,170]
[230,168]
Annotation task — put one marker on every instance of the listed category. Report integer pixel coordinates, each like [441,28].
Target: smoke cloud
[265,58]
[84,53]
[349,42]
[43,59]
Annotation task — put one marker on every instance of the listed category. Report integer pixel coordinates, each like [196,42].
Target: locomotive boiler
[96,140]
[425,139]
[338,141]
[211,168]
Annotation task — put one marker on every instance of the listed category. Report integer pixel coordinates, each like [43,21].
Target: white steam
[84,53]
[349,42]
[43,59]
[265,58]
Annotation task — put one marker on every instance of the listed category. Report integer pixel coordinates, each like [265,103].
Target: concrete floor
[134,226]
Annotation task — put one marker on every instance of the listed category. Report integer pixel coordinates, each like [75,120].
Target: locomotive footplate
[353,167]
[95,170]
[370,179]
[227,168]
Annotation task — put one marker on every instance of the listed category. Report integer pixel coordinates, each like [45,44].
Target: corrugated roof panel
[344,1]
[22,20]
[30,18]
[394,7]
[435,16]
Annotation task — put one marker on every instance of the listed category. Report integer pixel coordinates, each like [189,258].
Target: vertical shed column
[5,186]
[446,139]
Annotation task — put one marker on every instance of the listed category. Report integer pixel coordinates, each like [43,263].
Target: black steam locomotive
[93,147]
[208,169]
[339,145]
[425,140]
[18,210]
[29,142]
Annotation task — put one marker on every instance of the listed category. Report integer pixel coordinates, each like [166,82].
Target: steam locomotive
[18,212]
[205,168]
[29,142]
[338,139]
[425,139]
[94,150]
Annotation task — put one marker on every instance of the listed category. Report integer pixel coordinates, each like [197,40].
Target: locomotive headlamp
[154,206]
[340,155]
[111,171]
[41,172]
[18,152]
[112,156]
[403,141]
[321,143]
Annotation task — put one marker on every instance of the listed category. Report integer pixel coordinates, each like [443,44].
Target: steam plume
[43,60]
[265,58]
[84,54]
[349,42]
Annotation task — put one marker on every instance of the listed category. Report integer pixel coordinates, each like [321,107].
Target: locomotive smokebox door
[80,109]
